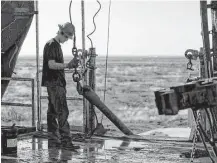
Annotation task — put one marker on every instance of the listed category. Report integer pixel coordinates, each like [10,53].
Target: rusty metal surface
[13,33]
[33,150]
[200,94]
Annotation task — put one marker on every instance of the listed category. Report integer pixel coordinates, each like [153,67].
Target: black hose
[94,24]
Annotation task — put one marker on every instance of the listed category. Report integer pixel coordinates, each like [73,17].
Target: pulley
[191,54]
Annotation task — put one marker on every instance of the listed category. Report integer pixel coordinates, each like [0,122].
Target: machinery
[199,94]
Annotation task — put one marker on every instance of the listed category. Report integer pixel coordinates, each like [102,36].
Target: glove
[73,63]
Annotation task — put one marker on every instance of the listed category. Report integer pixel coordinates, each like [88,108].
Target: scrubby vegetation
[131,83]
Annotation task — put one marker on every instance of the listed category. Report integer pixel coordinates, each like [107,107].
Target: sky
[137,27]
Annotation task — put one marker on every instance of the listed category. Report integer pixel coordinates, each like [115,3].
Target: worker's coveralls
[55,82]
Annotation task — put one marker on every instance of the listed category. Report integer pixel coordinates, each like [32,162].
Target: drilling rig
[199,94]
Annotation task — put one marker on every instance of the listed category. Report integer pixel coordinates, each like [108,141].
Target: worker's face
[64,37]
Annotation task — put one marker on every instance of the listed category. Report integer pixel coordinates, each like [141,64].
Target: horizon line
[66,56]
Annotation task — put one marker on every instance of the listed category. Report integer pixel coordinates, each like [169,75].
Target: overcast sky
[144,28]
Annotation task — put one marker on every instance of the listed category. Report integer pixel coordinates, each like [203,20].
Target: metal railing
[21,104]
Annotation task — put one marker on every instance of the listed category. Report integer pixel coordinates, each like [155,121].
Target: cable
[107,53]
[107,48]
[70,5]
[94,24]
[74,38]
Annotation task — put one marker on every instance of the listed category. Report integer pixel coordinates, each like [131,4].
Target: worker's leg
[52,113]
[63,113]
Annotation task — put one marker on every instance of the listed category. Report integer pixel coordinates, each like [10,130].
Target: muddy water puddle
[35,150]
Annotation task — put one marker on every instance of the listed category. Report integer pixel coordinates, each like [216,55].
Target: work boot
[69,146]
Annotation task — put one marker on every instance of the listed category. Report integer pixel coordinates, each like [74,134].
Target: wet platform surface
[101,150]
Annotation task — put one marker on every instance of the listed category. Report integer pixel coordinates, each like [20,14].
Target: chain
[194,145]
[84,65]
[190,65]
[197,120]
[75,76]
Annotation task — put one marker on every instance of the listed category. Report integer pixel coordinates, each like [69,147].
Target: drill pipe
[94,99]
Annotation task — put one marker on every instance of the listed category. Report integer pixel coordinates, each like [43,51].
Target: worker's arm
[57,66]
[61,66]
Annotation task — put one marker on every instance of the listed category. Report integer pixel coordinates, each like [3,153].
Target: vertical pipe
[205,35]
[214,47]
[37,67]
[214,35]
[209,64]
[83,25]
[206,59]
[33,102]
[92,84]
[84,80]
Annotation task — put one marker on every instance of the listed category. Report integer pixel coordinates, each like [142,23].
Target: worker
[53,78]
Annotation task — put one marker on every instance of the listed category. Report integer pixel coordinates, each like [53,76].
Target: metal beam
[17,78]
[37,66]
[84,80]
[67,98]
[15,104]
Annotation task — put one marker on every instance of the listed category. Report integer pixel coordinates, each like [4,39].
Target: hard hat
[68,29]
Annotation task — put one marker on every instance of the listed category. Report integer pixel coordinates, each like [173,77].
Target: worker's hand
[73,63]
